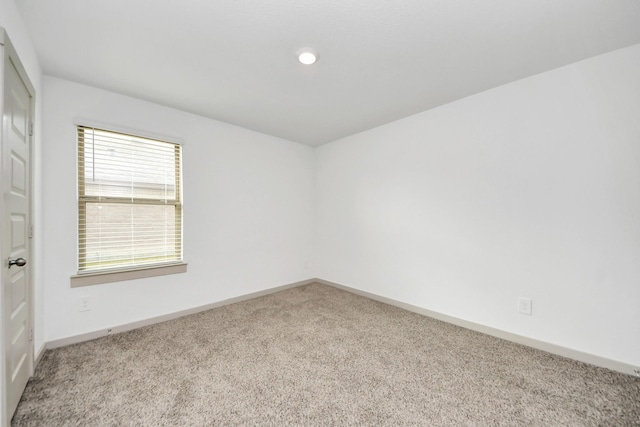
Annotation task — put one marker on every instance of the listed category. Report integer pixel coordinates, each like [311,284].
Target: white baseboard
[163,318]
[592,359]
[38,355]
[603,362]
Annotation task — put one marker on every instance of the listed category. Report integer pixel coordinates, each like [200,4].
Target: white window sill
[96,278]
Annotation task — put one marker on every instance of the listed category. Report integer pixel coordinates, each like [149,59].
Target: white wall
[531,189]
[247,212]
[11,21]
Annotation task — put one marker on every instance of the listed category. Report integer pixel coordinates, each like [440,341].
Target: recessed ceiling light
[307,56]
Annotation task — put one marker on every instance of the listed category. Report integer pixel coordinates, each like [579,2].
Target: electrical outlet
[524,306]
[85,303]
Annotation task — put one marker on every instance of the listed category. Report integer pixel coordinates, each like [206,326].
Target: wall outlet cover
[525,306]
[84,303]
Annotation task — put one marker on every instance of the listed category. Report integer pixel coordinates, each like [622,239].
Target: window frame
[85,277]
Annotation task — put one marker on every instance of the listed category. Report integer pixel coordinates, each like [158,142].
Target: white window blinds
[129,201]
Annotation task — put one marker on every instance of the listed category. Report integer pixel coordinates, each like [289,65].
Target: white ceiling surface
[379,60]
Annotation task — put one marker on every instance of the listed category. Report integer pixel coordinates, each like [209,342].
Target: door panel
[16,285]
[18,229]
[18,173]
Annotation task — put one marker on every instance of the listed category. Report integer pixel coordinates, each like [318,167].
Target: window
[129,202]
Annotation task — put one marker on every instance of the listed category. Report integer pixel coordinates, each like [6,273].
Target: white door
[16,298]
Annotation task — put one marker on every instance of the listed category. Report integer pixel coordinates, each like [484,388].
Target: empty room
[299,212]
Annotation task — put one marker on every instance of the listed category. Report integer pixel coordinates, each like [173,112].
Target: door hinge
[30,231]
[30,128]
[31,334]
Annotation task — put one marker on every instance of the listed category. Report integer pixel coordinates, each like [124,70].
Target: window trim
[120,275]
[79,121]
[95,277]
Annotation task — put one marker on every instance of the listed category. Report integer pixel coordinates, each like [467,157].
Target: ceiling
[379,60]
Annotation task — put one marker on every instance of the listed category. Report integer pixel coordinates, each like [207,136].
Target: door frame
[9,55]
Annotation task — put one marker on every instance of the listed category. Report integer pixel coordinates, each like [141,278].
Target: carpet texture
[316,355]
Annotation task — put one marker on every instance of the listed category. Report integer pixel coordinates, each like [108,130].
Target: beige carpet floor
[316,355]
